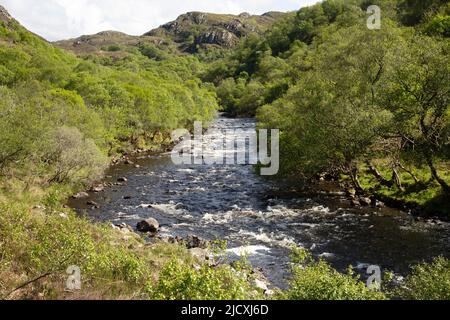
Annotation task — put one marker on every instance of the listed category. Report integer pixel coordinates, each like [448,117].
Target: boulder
[196,242]
[365,201]
[81,195]
[99,188]
[149,225]
[354,203]
[261,285]
[351,192]
[199,253]
[92,203]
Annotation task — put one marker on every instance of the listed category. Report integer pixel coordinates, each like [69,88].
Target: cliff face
[195,30]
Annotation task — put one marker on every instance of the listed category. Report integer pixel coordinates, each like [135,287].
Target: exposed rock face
[4,15]
[244,15]
[198,29]
[219,37]
[187,34]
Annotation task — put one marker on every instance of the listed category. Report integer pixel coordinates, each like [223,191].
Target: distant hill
[188,33]
[116,44]
[4,15]
[198,29]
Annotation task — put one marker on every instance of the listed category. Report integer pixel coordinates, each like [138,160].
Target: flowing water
[263,218]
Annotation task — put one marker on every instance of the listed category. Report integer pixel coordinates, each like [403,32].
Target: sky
[64,19]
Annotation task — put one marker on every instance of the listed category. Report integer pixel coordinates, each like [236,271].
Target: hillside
[196,30]
[367,106]
[189,33]
[368,109]
[118,45]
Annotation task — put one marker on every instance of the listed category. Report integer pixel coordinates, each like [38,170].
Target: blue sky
[63,19]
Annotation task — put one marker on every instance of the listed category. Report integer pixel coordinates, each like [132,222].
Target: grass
[426,193]
[44,240]
[39,242]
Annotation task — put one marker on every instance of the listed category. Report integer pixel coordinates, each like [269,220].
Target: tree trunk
[354,176]
[416,180]
[397,180]
[374,171]
[435,174]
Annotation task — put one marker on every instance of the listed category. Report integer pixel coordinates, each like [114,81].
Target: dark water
[259,218]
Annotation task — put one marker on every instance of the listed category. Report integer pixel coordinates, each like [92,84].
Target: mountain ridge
[189,33]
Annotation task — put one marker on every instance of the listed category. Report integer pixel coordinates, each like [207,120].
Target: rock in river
[149,225]
[81,195]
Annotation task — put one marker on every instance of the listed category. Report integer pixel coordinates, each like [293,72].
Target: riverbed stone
[199,253]
[98,188]
[92,203]
[365,201]
[150,225]
[81,195]
[261,285]
[354,203]
[351,192]
[193,241]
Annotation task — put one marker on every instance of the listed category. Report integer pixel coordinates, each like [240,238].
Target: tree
[74,158]
[417,92]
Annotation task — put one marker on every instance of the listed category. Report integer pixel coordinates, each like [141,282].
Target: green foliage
[73,157]
[153,52]
[178,281]
[113,104]
[316,280]
[413,12]
[342,94]
[38,243]
[428,281]
[440,25]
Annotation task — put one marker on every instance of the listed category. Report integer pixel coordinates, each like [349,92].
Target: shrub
[317,280]
[34,243]
[181,281]
[428,281]
[74,157]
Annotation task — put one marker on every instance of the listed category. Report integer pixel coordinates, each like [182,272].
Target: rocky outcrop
[198,29]
[190,242]
[218,37]
[4,15]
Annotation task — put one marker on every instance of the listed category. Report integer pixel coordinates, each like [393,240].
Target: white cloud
[62,19]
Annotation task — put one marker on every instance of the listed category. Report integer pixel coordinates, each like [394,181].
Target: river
[263,218]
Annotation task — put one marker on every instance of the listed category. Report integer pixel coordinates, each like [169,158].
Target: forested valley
[368,109]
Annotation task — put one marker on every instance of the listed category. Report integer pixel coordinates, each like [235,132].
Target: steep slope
[4,15]
[187,34]
[195,30]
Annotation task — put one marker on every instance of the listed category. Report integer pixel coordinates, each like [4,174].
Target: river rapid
[262,218]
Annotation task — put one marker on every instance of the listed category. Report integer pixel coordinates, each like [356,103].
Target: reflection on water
[257,217]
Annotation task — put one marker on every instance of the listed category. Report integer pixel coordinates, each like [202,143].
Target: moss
[426,193]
